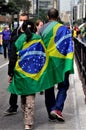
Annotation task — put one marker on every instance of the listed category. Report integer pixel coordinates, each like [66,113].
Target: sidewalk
[76,103]
[74,110]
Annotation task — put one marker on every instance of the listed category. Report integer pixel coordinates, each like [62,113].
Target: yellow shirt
[74,33]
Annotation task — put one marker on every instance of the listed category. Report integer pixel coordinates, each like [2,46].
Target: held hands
[9,79]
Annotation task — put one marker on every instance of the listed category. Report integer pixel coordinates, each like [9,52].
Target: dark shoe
[57,114]
[1,52]
[41,93]
[10,111]
[52,119]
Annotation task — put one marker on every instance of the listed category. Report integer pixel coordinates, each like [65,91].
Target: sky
[65,5]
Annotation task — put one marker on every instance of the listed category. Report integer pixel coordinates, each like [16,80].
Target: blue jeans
[57,103]
[6,46]
[1,49]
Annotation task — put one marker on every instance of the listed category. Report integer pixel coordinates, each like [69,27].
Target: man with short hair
[15,34]
[63,35]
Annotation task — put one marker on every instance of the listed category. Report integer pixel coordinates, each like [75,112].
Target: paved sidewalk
[74,110]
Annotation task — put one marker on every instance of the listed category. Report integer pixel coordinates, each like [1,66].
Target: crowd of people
[79,32]
[17,43]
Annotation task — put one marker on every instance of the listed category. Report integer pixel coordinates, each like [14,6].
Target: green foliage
[2,2]
[9,7]
[23,5]
[42,15]
[79,21]
[36,17]
[12,7]
[2,6]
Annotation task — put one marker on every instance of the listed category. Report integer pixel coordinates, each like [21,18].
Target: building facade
[81,10]
[45,5]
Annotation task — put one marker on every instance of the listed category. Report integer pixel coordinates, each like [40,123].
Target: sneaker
[1,53]
[41,93]
[10,111]
[28,127]
[52,119]
[57,114]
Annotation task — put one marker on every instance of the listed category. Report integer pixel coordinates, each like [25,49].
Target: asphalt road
[74,110]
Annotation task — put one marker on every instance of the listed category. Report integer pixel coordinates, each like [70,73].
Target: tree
[2,2]
[23,5]
[42,15]
[2,6]
[12,8]
[9,7]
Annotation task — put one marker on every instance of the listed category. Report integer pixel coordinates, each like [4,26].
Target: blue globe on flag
[33,58]
[63,42]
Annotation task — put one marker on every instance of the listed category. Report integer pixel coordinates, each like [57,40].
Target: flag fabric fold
[42,64]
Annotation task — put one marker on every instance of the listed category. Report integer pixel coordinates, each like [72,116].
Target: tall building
[84,8]
[45,4]
[75,10]
[83,3]
[32,8]
[57,4]
[79,11]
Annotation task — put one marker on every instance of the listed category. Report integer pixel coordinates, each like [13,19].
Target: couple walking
[31,43]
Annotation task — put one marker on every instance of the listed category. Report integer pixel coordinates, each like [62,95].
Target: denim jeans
[57,103]
[6,48]
[1,49]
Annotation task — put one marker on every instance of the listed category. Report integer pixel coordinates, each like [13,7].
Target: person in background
[55,104]
[38,25]
[12,59]
[75,30]
[6,35]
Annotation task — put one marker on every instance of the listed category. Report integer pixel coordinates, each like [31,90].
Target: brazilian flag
[42,63]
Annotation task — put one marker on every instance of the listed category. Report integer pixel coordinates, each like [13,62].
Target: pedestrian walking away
[23,47]
[55,33]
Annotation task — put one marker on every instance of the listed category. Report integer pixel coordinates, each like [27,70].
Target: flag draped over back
[42,64]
